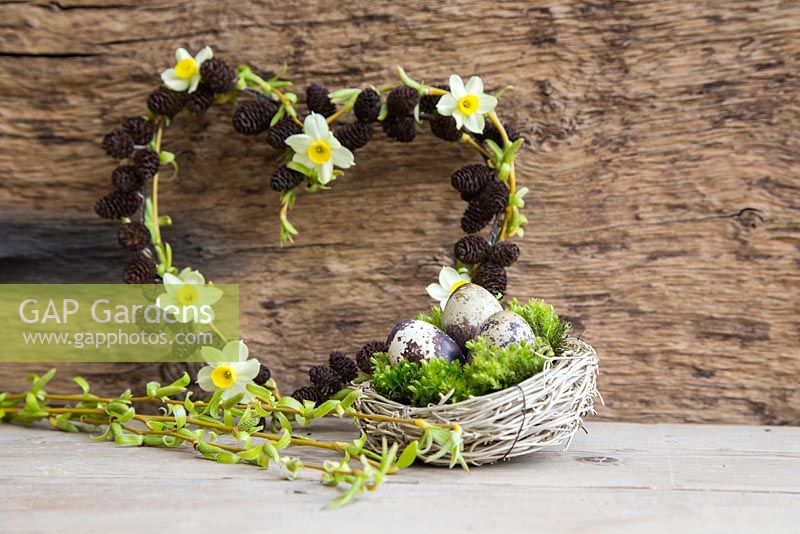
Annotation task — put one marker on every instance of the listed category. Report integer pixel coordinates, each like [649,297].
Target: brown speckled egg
[466,310]
[417,340]
[506,328]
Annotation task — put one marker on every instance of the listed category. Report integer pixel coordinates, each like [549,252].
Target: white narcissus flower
[188,297]
[228,370]
[449,281]
[467,104]
[185,75]
[317,148]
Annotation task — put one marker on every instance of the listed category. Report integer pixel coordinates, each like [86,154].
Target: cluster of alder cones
[131,142]
[326,380]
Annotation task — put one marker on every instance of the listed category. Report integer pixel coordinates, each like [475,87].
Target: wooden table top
[617,478]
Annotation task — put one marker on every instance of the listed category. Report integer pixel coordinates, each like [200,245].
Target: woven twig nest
[544,410]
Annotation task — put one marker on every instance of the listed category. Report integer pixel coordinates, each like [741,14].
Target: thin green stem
[512,177]
[266,404]
[267,88]
[156,221]
[341,111]
[467,139]
[419,423]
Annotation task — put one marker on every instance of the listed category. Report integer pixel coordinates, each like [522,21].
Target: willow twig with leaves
[201,425]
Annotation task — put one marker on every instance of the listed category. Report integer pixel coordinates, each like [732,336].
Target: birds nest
[545,410]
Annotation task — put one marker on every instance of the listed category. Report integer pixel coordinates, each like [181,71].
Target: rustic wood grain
[618,478]
[664,214]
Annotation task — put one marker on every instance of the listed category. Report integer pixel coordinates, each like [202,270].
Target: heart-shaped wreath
[512,375]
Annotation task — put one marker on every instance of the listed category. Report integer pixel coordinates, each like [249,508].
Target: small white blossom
[185,75]
[188,297]
[228,370]
[467,104]
[449,281]
[317,148]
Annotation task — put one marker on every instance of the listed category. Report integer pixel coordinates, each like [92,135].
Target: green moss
[493,368]
[392,381]
[543,319]
[434,317]
[490,369]
[438,377]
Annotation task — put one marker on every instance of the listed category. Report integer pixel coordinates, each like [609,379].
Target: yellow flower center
[468,104]
[186,68]
[319,152]
[223,376]
[187,295]
[457,285]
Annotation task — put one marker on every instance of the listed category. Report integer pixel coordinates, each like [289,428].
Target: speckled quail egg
[417,340]
[466,310]
[506,328]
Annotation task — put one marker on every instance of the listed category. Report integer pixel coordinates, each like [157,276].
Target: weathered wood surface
[618,478]
[663,165]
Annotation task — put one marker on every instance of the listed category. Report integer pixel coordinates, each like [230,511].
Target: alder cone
[263,375]
[504,253]
[354,135]
[118,204]
[343,366]
[253,117]
[218,75]
[133,236]
[492,277]
[309,393]
[141,270]
[471,249]
[367,106]
[125,178]
[427,103]
[282,130]
[146,162]
[325,379]
[475,218]
[401,101]
[202,99]
[402,129]
[363,357]
[445,128]
[317,100]
[118,144]
[494,197]
[471,179]
[140,129]
[285,179]
[166,102]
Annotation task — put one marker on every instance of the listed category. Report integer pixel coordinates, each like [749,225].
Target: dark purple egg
[414,341]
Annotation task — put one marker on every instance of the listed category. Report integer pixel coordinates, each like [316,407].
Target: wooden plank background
[664,214]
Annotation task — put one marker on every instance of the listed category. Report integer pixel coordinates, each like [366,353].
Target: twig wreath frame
[546,388]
